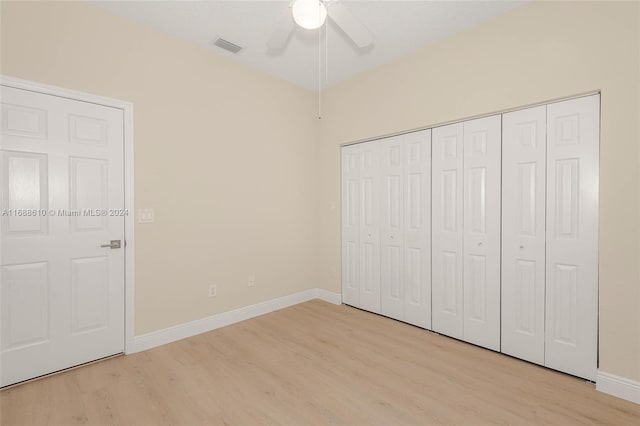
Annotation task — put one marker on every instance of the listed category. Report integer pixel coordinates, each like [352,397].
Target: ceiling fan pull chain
[326,54]
[319,73]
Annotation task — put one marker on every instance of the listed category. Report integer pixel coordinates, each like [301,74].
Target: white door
[417,228]
[447,235]
[573,138]
[351,225]
[523,232]
[481,228]
[370,226]
[392,229]
[62,198]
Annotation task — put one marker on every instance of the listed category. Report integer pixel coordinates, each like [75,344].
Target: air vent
[227,45]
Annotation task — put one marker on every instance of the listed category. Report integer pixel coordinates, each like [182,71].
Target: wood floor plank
[314,363]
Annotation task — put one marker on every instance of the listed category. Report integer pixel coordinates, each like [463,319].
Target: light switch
[146,216]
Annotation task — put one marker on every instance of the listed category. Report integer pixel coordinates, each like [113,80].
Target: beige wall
[542,51]
[225,155]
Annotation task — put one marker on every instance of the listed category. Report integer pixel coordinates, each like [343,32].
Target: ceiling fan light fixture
[309,14]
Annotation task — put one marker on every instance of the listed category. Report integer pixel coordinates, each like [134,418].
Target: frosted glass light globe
[309,14]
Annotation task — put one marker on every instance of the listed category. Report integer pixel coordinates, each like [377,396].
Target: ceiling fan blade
[349,24]
[281,34]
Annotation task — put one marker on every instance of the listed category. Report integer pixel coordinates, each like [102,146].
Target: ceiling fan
[312,14]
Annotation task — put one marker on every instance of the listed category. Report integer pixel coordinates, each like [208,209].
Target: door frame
[129,222]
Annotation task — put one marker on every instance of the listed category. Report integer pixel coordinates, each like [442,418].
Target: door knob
[480,244]
[114,244]
[521,247]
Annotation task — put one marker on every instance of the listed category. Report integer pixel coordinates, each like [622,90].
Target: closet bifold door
[417,228]
[350,162]
[361,226]
[405,228]
[370,226]
[573,129]
[481,231]
[523,233]
[446,229]
[392,228]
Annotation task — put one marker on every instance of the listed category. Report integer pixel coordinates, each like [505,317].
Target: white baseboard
[618,386]
[182,331]
[328,296]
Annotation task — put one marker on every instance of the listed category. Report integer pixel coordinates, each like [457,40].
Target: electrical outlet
[252,281]
[213,290]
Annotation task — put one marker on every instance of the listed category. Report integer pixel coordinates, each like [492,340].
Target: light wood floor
[313,363]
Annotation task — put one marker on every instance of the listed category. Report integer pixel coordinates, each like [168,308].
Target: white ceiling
[398,27]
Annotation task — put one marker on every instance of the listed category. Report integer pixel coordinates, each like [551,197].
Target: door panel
[447,235]
[88,192]
[25,185]
[25,295]
[87,129]
[450,278]
[89,290]
[482,180]
[23,121]
[476,288]
[51,318]
[573,129]
[523,233]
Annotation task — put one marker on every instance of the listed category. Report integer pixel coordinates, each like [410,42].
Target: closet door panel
[392,230]
[573,129]
[447,235]
[523,233]
[417,228]
[482,181]
[369,209]
[351,224]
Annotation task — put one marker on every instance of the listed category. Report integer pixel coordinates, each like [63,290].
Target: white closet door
[392,229]
[573,129]
[447,236]
[523,233]
[351,225]
[417,226]
[370,226]
[481,288]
